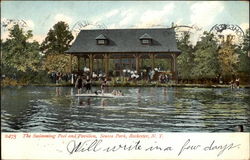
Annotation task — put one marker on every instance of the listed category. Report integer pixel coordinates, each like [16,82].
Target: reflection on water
[54,109]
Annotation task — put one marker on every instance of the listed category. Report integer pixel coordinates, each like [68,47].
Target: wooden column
[91,64]
[171,63]
[152,57]
[78,63]
[89,60]
[141,64]
[85,62]
[106,57]
[70,63]
[97,65]
[103,64]
[174,63]
[120,61]
[130,64]
[137,62]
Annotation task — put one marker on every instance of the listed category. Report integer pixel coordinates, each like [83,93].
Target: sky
[40,16]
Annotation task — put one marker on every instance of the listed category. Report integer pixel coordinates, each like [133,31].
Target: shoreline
[153,84]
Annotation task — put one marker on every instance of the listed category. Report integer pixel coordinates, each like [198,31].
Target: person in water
[120,93]
[103,86]
[237,82]
[79,85]
[231,84]
[239,128]
[98,92]
[88,85]
[117,93]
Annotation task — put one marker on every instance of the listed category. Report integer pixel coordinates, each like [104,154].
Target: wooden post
[91,64]
[141,64]
[78,63]
[130,63]
[106,57]
[89,61]
[171,63]
[174,66]
[152,57]
[103,64]
[85,62]
[70,63]
[97,65]
[137,62]
[120,70]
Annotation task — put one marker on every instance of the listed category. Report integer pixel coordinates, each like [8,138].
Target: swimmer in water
[117,93]
[239,128]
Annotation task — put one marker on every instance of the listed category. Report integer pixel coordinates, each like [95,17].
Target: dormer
[101,40]
[146,39]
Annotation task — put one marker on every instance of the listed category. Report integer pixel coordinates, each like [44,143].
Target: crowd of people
[146,74]
[164,78]
[57,77]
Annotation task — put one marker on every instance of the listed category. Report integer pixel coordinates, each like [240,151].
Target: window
[145,41]
[101,41]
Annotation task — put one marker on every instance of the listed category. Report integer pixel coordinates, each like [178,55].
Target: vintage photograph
[125,66]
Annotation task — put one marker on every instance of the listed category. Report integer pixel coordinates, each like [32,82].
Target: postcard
[125,80]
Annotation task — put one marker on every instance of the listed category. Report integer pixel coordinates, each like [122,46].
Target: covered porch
[102,60]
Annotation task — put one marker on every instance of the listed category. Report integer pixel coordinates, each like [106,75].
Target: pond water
[147,109]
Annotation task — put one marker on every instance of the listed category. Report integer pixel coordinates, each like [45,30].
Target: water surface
[149,109]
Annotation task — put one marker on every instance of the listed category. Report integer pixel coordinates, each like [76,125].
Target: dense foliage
[21,58]
[211,59]
[18,53]
[55,44]
[59,63]
[206,63]
[243,51]
[186,59]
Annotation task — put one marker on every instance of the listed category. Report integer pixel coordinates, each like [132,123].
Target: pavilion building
[126,46]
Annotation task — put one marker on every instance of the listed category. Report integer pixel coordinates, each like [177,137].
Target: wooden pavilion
[120,44]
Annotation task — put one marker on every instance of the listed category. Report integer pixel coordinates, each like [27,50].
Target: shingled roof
[125,41]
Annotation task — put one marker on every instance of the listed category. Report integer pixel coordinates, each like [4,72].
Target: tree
[58,39]
[59,63]
[186,60]
[18,53]
[55,44]
[244,64]
[228,58]
[206,58]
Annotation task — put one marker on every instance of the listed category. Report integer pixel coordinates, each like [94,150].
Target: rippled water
[54,109]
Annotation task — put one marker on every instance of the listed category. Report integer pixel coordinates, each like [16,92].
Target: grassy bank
[142,83]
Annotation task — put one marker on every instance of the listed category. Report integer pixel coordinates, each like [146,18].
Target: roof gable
[100,37]
[145,36]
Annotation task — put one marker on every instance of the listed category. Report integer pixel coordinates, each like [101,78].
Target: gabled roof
[101,36]
[125,41]
[145,36]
